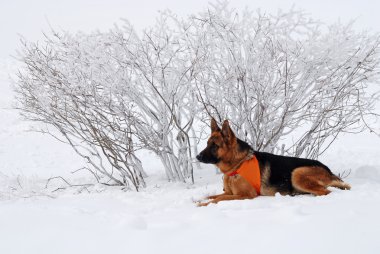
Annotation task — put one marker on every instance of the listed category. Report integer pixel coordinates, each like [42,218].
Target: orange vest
[250,171]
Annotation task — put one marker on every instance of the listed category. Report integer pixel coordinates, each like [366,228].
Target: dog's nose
[199,157]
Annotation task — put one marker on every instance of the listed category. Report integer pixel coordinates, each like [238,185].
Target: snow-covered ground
[38,217]
[163,219]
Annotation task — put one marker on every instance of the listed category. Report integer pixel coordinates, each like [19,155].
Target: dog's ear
[227,133]
[214,126]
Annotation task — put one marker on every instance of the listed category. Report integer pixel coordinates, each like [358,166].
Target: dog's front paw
[200,204]
[197,202]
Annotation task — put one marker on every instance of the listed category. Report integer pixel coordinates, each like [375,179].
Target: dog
[249,173]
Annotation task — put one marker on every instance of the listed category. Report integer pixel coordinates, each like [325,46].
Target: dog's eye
[214,147]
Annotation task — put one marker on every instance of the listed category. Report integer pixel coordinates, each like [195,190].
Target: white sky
[31,17]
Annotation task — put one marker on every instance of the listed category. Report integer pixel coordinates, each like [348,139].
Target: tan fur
[235,188]
[341,185]
[225,197]
[315,180]
[231,156]
[266,189]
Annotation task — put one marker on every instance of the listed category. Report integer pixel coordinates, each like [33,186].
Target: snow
[164,219]
[35,217]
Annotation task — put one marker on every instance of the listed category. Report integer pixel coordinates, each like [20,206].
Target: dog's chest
[237,185]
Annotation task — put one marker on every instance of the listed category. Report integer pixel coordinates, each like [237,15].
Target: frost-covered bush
[160,69]
[69,84]
[275,76]
[112,93]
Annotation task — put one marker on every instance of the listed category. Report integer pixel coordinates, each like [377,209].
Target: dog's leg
[211,197]
[313,187]
[340,184]
[216,196]
[313,180]
[226,197]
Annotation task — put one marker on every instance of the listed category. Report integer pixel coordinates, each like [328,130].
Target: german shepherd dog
[283,174]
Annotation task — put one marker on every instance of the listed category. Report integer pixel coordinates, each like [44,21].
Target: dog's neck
[230,166]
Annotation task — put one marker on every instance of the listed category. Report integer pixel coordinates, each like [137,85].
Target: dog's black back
[281,167]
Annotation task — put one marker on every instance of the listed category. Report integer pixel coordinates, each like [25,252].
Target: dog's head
[221,146]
